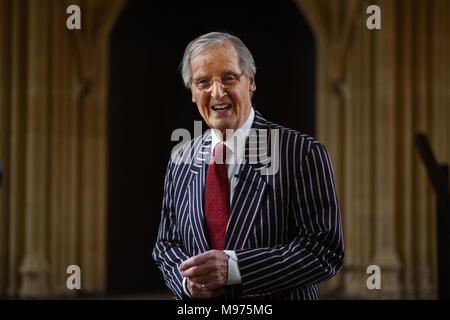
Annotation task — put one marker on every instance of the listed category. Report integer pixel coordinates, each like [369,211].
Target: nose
[217,90]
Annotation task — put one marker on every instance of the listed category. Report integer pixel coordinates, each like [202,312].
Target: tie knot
[220,153]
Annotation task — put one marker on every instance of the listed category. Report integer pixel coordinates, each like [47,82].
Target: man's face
[221,62]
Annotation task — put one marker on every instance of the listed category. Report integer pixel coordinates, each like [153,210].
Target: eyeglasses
[229,80]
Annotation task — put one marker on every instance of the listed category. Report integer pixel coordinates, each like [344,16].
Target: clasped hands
[206,274]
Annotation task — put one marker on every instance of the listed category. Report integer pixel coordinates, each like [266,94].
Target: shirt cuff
[234,275]
[185,289]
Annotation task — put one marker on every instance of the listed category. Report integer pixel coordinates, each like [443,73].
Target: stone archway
[53,134]
[373,89]
[376,90]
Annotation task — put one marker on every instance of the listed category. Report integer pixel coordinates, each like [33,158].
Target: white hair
[212,38]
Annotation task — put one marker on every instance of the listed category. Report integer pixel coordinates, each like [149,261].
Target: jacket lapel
[196,192]
[249,192]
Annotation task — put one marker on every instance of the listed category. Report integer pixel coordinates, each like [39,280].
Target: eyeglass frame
[214,79]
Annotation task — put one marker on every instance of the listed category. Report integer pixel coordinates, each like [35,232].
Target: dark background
[147,102]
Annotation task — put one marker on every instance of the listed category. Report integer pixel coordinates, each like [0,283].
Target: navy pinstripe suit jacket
[285,228]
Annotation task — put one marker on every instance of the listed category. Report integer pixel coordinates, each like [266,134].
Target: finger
[210,285]
[193,261]
[199,271]
[203,258]
[196,286]
[204,290]
[207,283]
[201,279]
[206,294]
[214,280]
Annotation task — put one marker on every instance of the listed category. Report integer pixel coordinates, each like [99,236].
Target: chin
[221,125]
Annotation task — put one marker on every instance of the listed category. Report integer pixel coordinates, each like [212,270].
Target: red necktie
[217,198]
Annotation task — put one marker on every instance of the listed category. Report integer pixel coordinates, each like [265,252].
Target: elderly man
[230,228]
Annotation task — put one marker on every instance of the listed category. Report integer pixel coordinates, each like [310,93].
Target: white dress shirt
[235,156]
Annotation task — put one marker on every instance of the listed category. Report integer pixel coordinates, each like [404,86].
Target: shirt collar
[235,143]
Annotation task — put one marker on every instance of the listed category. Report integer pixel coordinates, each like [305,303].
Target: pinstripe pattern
[285,228]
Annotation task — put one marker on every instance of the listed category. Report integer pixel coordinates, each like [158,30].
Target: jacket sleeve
[168,251]
[316,249]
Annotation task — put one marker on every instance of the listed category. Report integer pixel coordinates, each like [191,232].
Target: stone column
[5,67]
[35,267]
[367,153]
[421,183]
[385,254]
[406,170]
[59,205]
[17,119]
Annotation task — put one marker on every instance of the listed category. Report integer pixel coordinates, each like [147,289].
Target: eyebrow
[228,71]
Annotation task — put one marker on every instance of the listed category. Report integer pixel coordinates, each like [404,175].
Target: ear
[193,95]
[252,84]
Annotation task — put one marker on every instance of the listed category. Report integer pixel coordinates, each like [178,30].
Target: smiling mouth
[221,107]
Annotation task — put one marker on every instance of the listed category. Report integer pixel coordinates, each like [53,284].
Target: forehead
[215,59]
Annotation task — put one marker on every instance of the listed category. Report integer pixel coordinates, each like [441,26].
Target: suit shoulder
[296,140]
